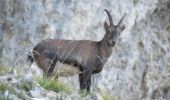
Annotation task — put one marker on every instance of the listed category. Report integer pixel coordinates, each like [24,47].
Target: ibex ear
[122,28]
[106,26]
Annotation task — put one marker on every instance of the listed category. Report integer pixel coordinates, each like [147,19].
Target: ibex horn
[121,20]
[110,17]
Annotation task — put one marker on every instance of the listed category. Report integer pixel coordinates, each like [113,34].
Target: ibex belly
[65,69]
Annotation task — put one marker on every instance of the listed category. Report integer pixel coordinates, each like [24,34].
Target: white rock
[36,71]
[36,94]
[45,98]
[6,93]
[51,95]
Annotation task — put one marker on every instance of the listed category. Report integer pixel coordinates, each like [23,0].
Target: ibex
[83,57]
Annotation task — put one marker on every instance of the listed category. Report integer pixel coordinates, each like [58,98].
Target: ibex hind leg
[51,68]
[44,63]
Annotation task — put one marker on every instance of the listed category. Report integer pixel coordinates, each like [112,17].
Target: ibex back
[83,57]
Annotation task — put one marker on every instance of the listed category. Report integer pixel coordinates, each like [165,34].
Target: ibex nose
[113,43]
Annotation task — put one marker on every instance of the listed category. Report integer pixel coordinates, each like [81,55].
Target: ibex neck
[105,49]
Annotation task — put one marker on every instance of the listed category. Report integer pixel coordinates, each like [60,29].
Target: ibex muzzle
[84,56]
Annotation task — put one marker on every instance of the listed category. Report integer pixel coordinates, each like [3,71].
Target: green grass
[2,87]
[107,97]
[85,94]
[53,84]
[3,70]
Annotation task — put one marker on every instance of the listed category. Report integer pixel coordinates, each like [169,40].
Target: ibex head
[113,31]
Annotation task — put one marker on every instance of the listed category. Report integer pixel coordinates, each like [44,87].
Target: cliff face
[140,64]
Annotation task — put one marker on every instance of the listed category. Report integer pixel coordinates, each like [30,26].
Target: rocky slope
[22,85]
[139,67]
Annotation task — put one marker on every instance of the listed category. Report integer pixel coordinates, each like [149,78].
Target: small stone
[9,79]
[36,94]
[95,96]
[6,93]
[45,98]
[73,96]
[51,95]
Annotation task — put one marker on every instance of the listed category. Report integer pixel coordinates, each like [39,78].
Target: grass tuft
[53,84]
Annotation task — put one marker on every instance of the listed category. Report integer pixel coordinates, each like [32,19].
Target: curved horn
[121,20]
[110,17]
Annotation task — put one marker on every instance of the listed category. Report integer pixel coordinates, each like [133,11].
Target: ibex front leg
[88,84]
[85,79]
